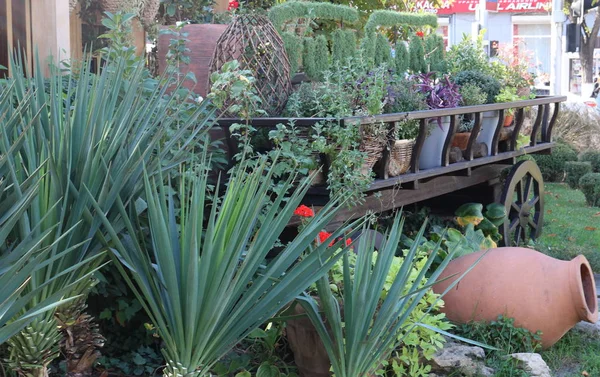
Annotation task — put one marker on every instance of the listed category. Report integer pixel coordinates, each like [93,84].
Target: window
[534,38]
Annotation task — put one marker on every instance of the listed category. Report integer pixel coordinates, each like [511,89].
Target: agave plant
[84,138]
[358,341]
[204,279]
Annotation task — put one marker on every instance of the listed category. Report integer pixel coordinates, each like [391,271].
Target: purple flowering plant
[439,94]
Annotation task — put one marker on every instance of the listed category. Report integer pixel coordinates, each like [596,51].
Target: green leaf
[138,359]
[257,333]
[266,369]
[469,213]
[243,373]
[171,10]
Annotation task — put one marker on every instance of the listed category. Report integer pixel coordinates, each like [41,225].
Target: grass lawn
[571,227]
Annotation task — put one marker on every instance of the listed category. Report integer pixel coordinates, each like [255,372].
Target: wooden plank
[541,100]
[536,125]
[429,173]
[396,197]
[474,132]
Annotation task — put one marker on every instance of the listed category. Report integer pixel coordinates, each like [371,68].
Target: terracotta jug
[309,351]
[539,292]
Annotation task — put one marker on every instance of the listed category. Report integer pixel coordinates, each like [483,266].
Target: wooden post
[51,31]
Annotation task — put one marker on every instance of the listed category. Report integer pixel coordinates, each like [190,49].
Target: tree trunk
[586,50]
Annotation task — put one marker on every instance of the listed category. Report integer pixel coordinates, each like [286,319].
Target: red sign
[470,6]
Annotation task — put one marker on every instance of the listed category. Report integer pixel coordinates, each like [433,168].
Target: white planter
[431,153]
[489,122]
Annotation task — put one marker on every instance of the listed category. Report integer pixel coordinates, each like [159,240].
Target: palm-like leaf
[358,342]
[84,141]
[204,281]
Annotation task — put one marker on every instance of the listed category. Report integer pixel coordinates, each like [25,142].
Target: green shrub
[402,58]
[293,47]
[575,170]
[553,165]
[593,157]
[321,57]
[383,53]
[434,48]
[291,10]
[417,55]
[589,184]
[308,57]
[472,95]
[488,84]
[343,45]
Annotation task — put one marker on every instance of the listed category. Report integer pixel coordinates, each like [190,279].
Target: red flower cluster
[324,236]
[233,4]
[304,211]
[419,33]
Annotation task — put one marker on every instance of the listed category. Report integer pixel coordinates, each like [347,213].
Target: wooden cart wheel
[523,198]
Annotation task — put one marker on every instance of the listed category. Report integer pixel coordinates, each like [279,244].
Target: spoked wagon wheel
[523,198]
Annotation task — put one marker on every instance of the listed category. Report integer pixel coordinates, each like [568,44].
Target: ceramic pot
[431,153]
[539,292]
[461,140]
[508,119]
[309,351]
[202,42]
[489,122]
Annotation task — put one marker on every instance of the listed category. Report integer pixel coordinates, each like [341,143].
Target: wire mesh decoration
[255,44]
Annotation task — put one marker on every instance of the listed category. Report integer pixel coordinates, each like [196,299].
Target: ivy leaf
[267,370]
[138,359]
[171,10]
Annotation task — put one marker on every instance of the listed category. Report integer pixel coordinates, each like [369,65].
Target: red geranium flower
[324,236]
[233,4]
[304,211]
[419,33]
[348,241]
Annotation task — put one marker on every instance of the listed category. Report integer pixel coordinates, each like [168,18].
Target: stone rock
[456,357]
[592,329]
[533,364]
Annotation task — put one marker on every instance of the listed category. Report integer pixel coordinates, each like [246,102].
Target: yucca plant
[85,138]
[18,261]
[361,339]
[204,279]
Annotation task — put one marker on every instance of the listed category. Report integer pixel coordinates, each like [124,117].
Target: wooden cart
[522,191]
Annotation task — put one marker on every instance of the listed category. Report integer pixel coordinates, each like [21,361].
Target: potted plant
[439,94]
[472,95]
[402,96]
[508,94]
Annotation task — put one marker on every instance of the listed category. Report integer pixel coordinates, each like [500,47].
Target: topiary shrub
[485,82]
[321,56]
[293,46]
[575,170]
[434,48]
[402,59]
[417,55]
[383,53]
[589,184]
[308,58]
[593,157]
[553,165]
[343,45]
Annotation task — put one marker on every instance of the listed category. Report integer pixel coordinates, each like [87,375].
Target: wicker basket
[400,157]
[374,149]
